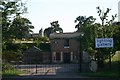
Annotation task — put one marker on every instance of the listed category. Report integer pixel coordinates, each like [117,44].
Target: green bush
[6,66]
[9,70]
[44,46]
[11,55]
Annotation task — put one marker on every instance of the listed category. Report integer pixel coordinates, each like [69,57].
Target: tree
[85,26]
[21,27]
[39,40]
[9,11]
[48,31]
[92,30]
[106,30]
[55,27]
[106,24]
[82,21]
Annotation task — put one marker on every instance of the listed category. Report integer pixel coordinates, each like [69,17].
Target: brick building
[65,47]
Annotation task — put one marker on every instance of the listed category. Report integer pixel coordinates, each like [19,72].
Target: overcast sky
[42,12]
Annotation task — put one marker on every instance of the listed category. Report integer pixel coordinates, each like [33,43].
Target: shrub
[7,66]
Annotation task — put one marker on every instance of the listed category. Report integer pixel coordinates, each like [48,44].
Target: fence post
[36,68]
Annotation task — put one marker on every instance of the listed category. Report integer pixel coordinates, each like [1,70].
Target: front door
[66,57]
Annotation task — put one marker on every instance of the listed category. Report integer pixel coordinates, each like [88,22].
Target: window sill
[66,47]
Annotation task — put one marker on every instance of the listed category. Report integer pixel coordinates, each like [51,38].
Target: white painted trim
[71,58]
[61,56]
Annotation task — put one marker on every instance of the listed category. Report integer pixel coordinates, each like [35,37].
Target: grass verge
[110,73]
[13,72]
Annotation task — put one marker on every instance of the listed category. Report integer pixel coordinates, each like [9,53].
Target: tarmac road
[48,69]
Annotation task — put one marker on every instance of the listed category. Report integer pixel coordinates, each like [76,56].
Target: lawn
[14,72]
[105,73]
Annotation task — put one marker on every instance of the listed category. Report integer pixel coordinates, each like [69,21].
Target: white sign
[103,42]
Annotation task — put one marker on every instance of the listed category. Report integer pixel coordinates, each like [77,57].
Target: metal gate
[47,69]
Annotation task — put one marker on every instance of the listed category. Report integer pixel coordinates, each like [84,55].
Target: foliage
[44,46]
[6,66]
[85,26]
[13,26]
[55,27]
[91,30]
[21,27]
[107,72]
[10,18]
[9,10]
[39,40]
[82,21]
[9,70]
[48,31]
[92,53]
[106,30]
[11,55]
[13,51]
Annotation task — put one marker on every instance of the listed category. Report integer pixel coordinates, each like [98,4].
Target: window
[66,43]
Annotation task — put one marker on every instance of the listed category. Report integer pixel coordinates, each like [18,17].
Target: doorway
[66,57]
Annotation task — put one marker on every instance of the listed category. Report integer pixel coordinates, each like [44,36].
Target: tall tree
[105,23]
[91,30]
[55,27]
[107,31]
[85,26]
[48,31]
[21,27]
[81,21]
[9,10]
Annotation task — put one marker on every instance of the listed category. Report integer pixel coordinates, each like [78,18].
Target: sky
[42,12]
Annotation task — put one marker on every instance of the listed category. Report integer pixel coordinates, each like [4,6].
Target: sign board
[104,42]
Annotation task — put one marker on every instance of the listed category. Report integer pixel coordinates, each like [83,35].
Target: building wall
[119,11]
[57,46]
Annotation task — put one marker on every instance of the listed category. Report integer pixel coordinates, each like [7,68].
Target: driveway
[48,69]
[52,72]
